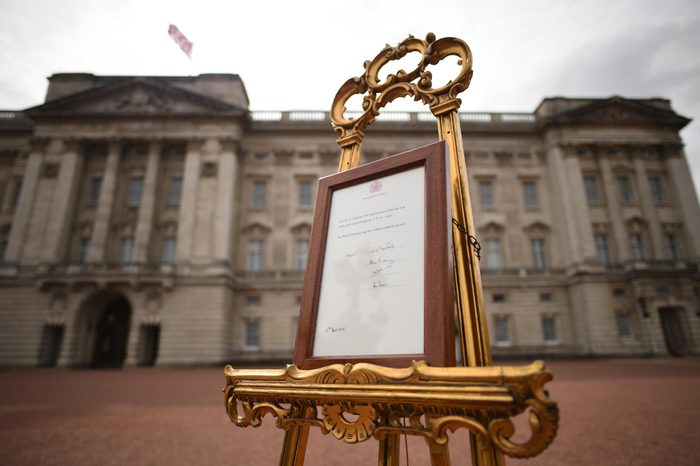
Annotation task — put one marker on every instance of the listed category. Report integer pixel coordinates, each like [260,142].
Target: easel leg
[439,455]
[389,450]
[485,456]
[294,447]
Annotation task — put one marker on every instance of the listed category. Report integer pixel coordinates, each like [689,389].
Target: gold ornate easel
[418,400]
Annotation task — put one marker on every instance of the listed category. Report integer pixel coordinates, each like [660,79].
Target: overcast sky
[294,55]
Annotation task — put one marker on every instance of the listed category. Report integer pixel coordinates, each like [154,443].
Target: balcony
[271,120]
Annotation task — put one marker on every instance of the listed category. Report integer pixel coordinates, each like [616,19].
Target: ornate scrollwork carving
[360,401]
[417,84]
[350,431]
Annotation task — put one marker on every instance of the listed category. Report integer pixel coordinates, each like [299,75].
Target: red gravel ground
[613,412]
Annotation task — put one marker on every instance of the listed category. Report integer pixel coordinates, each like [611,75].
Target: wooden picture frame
[363,285]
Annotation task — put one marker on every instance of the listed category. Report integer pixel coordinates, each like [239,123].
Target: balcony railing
[308,116]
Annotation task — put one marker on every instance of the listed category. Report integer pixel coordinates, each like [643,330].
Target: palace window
[549,329]
[486,194]
[95,190]
[545,297]
[135,191]
[624,326]
[624,189]
[3,249]
[253,301]
[499,298]
[671,246]
[530,194]
[619,293]
[602,248]
[494,258]
[175,191]
[656,188]
[83,250]
[252,334]
[302,254]
[256,255]
[502,330]
[167,255]
[305,194]
[126,250]
[259,194]
[591,185]
[637,245]
[539,254]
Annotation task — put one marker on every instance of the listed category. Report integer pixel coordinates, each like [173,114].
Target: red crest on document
[376,186]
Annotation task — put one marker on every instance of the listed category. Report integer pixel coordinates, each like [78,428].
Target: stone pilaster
[614,210]
[144,227]
[585,245]
[188,203]
[23,211]
[569,200]
[223,218]
[686,198]
[649,209]
[63,205]
[103,216]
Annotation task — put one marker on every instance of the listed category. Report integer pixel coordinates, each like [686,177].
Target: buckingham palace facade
[159,221]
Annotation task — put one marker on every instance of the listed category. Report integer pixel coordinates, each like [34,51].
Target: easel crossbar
[425,401]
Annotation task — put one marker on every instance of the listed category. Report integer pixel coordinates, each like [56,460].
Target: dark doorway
[50,349]
[150,336]
[112,333]
[675,333]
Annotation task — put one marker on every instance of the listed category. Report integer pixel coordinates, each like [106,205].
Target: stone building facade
[157,220]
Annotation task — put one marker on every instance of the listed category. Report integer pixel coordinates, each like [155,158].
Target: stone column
[23,211]
[649,209]
[103,216]
[614,210]
[686,200]
[569,200]
[223,218]
[144,227]
[64,201]
[585,246]
[188,203]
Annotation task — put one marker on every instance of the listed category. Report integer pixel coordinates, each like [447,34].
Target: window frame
[531,198]
[135,191]
[625,192]
[553,319]
[258,199]
[172,199]
[301,195]
[255,257]
[247,334]
[539,254]
[486,196]
[504,321]
[168,250]
[125,258]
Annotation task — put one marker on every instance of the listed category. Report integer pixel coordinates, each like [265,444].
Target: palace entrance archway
[675,331]
[105,319]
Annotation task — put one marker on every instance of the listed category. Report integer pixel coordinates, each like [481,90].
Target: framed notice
[378,285]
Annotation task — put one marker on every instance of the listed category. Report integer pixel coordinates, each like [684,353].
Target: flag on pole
[181,40]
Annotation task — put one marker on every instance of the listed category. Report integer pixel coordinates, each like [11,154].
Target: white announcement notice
[371,298]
